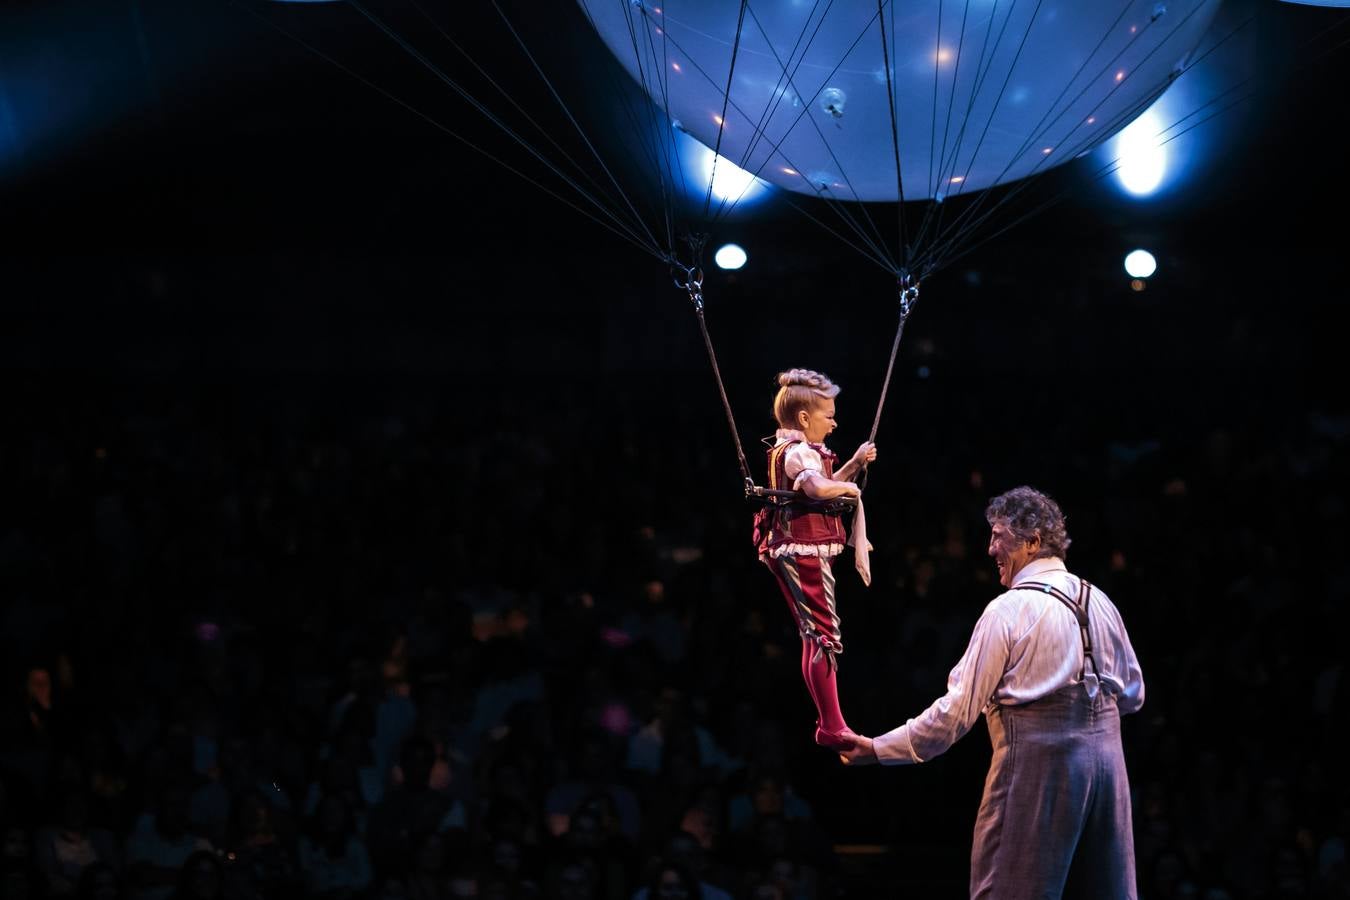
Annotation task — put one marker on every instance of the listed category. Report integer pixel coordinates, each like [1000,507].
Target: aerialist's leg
[808,586]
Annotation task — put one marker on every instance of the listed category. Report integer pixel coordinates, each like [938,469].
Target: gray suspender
[1080,612]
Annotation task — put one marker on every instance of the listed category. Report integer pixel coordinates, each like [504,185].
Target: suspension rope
[690,278]
[726,100]
[615,224]
[895,137]
[909,295]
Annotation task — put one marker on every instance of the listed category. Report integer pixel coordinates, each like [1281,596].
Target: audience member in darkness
[161,844]
[202,877]
[99,881]
[333,856]
[410,810]
[63,850]
[262,856]
[669,881]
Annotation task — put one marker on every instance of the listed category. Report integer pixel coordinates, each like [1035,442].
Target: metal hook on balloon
[689,278]
[909,293]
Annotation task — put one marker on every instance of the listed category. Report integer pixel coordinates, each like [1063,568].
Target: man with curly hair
[1051,667]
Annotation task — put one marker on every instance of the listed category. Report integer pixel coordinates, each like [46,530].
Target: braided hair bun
[800,389]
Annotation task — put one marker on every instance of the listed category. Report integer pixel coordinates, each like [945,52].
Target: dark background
[415,439]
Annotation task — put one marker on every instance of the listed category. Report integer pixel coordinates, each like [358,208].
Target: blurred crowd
[361,641]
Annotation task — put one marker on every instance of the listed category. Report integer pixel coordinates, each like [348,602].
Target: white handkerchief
[857,539]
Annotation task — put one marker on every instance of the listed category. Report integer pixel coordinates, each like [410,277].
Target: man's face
[1009,553]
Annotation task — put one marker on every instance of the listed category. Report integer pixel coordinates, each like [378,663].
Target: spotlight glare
[730,256]
[1143,160]
[1140,264]
[729,181]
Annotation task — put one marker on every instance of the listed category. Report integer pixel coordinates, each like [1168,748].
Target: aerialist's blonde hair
[800,389]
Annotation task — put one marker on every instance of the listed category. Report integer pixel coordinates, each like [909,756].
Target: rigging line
[1114,164]
[660,128]
[781,86]
[890,370]
[951,102]
[830,200]
[1032,140]
[951,96]
[942,250]
[571,118]
[672,138]
[972,211]
[1002,90]
[726,99]
[1126,115]
[937,68]
[982,70]
[507,96]
[778,92]
[617,226]
[722,391]
[652,138]
[496,120]
[868,254]
[1035,133]
[835,204]
[661,124]
[666,133]
[947,257]
[1040,128]
[664,81]
[878,241]
[895,137]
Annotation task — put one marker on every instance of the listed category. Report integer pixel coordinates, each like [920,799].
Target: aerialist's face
[1010,553]
[818,422]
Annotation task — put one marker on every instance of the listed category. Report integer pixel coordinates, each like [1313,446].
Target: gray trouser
[1055,817]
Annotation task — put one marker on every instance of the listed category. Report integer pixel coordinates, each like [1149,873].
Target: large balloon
[986,91]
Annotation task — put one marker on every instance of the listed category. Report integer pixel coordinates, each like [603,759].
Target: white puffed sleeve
[802,460]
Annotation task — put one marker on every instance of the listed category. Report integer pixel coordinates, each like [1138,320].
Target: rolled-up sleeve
[1131,696]
[970,687]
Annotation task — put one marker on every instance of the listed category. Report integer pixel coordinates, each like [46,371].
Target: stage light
[730,256]
[1142,157]
[730,183]
[1140,264]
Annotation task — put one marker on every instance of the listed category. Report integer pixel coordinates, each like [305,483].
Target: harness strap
[1080,612]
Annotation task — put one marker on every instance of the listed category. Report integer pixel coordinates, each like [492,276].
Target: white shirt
[800,463]
[1026,645]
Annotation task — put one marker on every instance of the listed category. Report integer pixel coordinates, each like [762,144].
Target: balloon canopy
[984,91]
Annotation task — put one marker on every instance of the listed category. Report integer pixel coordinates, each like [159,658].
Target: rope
[726,100]
[909,295]
[690,278]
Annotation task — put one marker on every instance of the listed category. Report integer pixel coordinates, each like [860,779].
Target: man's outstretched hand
[860,754]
